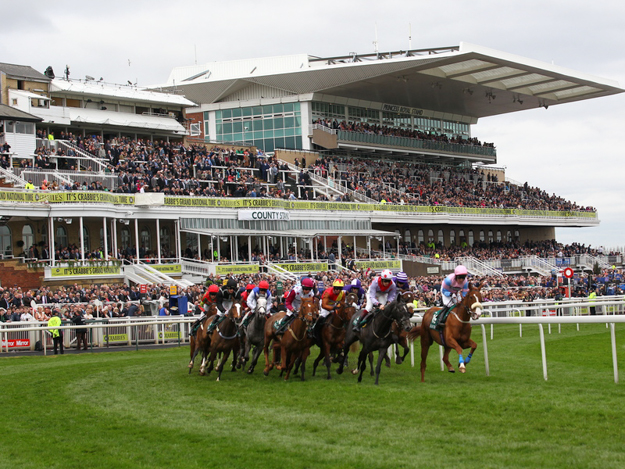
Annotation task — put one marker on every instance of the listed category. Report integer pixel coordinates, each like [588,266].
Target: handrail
[17,180]
[84,154]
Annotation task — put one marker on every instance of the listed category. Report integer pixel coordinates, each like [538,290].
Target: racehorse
[255,334]
[294,343]
[199,341]
[225,339]
[333,332]
[398,336]
[456,333]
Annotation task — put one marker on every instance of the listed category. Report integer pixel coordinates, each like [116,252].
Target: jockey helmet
[461,270]
[232,283]
[402,277]
[213,289]
[338,283]
[308,283]
[263,285]
[356,283]
[250,286]
[386,275]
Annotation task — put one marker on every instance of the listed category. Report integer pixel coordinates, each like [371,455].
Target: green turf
[142,409]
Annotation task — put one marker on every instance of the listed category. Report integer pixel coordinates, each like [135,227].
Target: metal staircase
[479,268]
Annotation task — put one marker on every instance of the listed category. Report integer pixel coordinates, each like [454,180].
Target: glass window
[268,124]
[267,109]
[482,235]
[441,238]
[257,125]
[125,238]
[226,113]
[288,107]
[6,246]
[61,236]
[85,236]
[498,236]
[144,238]
[278,133]
[289,142]
[237,127]
[452,237]
[278,123]
[471,240]
[236,112]
[279,143]
[278,108]
[420,237]
[227,128]
[289,122]
[247,111]
[27,237]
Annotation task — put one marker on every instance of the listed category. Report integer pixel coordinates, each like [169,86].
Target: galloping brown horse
[294,343]
[199,341]
[456,333]
[225,339]
[333,332]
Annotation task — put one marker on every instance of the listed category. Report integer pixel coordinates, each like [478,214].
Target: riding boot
[282,323]
[360,321]
[196,325]
[318,327]
[441,315]
[214,324]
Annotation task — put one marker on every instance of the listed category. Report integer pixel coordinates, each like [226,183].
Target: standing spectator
[81,334]
[57,334]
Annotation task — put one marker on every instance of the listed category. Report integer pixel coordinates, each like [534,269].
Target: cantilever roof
[467,80]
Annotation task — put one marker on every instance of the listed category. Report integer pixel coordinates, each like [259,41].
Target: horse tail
[413,333]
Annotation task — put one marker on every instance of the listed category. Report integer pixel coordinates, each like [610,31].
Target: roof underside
[469,81]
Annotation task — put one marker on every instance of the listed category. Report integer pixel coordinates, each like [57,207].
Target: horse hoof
[250,371]
[452,370]
[339,371]
[266,372]
[463,369]
[399,361]
[388,364]
[217,378]
[355,372]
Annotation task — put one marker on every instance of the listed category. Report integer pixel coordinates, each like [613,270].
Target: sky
[573,150]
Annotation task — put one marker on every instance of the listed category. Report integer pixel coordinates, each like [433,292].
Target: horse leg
[255,356]
[194,352]
[453,344]
[473,346]
[289,364]
[362,364]
[222,363]
[387,359]
[235,358]
[446,361]
[381,355]
[303,358]
[326,351]
[371,363]
[425,347]
[266,352]
[316,362]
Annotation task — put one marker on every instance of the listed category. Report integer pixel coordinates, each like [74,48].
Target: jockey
[261,290]
[245,294]
[401,281]
[228,294]
[209,298]
[330,298]
[381,291]
[294,301]
[453,288]
[355,287]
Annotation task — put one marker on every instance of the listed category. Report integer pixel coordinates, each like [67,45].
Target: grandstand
[277,165]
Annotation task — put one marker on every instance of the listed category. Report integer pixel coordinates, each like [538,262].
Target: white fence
[172,329]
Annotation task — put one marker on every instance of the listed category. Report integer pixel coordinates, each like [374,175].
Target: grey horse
[255,334]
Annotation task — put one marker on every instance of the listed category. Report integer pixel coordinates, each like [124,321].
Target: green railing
[406,142]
